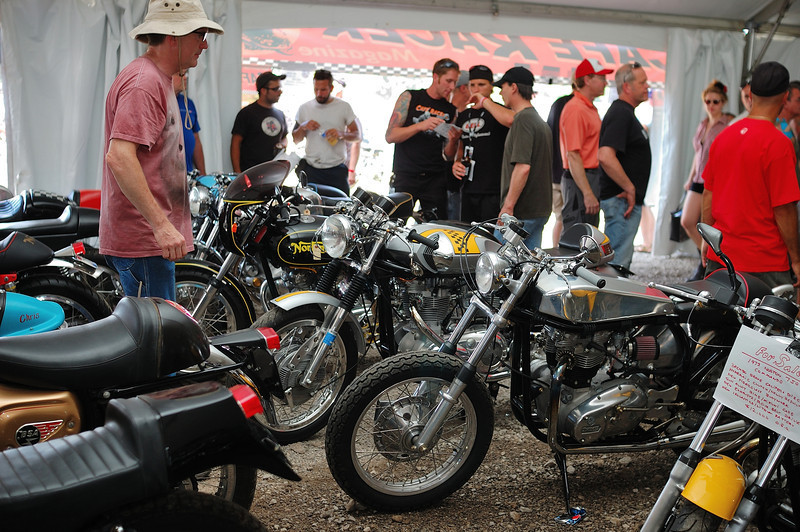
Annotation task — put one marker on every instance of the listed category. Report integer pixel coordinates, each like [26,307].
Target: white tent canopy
[59,58]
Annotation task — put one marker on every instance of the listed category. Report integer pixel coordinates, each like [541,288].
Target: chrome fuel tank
[453,242]
[582,302]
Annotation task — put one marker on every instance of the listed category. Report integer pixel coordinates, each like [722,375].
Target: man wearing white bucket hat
[145,223]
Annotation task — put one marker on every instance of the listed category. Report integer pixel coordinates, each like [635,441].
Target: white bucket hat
[174,17]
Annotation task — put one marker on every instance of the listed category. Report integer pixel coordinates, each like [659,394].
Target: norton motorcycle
[393,285]
[758,482]
[129,473]
[266,231]
[56,384]
[599,364]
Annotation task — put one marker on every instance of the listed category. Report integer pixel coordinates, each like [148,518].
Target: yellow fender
[716,485]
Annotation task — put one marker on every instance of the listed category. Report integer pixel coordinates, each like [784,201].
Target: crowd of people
[459,152]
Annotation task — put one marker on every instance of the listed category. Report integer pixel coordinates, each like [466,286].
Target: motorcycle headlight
[199,200]
[489,272]
[337,235]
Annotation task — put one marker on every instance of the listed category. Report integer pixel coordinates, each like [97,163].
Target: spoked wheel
[227,311]
[231,482]
[370,438]
[81,304]
[305,408]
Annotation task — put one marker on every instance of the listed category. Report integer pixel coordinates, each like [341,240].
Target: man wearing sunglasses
[417,130]
[259,131]
[145,224]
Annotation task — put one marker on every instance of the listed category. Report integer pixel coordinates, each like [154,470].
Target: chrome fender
[325,301]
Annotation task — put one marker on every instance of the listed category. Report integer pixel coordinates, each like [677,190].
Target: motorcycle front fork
[213,286]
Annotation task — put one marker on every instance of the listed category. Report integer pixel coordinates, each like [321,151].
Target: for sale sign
[761,380]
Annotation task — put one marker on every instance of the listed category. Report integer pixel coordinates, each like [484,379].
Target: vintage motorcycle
[613,365]
[389,284]
[58,383]
[129,473]
[759,382]
[266,231]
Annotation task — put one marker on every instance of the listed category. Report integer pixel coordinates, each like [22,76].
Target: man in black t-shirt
[479,158]
[418,129]
[625,159]
[259,131]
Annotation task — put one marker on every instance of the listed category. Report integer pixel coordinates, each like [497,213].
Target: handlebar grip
[413,236]
[590,276]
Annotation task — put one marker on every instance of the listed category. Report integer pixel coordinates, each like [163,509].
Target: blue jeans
[620,230]
[154,276]
[534,227]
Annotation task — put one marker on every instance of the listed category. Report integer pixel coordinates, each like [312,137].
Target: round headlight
[199,200]
[489,272]
[336,234]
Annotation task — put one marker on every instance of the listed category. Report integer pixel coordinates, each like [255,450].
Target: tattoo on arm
[400,111]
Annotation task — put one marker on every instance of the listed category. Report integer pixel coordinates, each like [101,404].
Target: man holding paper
[420,124]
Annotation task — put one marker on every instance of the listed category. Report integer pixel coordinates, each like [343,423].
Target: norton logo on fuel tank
[28,317]
[306,247]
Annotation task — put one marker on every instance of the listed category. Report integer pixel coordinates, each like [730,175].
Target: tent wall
[60,58]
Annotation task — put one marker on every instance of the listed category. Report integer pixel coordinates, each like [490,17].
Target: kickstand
[574,515]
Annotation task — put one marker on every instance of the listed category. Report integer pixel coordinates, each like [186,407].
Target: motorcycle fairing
[143,340]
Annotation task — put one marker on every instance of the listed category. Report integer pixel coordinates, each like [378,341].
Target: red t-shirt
[141,108]
[750,171]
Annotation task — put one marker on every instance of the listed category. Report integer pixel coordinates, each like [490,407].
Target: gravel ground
[517,487]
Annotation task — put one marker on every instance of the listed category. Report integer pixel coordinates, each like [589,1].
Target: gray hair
[625,75]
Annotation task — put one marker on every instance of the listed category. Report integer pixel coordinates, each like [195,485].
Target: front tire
[688,517]
[369,436]
[310,406]
[227,312]
[81,304]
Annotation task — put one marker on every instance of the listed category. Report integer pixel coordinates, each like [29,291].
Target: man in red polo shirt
[751,191]
[579,139]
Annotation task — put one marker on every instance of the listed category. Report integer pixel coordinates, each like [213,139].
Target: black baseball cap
[769,79]
[481,72]
[266,77]
[518,75]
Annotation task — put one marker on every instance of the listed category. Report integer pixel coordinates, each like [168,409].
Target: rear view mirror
[591,249]
[712,235]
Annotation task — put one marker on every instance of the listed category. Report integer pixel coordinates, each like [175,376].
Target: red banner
[417,50]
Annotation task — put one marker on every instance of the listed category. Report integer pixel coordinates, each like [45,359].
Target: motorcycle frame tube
[681,472]
[750,503]
[449,396]
[218,279]
[341,313]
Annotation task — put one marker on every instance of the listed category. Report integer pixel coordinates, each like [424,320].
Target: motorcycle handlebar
[413,236]
[590,276]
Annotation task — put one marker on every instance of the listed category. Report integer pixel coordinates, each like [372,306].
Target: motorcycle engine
[616,379]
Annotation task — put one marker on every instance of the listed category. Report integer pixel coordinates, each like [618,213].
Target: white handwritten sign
[762,381]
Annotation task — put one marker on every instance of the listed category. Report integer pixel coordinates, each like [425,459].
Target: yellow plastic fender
[716,485]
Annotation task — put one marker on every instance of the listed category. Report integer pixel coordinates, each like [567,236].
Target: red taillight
[247,399]
[79,248]
[272,338]
[6,278]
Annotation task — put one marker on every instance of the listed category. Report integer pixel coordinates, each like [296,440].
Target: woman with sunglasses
[715,96]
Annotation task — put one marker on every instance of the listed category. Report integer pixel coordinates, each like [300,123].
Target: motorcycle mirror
[712,235]
[591,249]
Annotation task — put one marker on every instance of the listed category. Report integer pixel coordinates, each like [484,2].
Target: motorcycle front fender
[310,297]
[716,485]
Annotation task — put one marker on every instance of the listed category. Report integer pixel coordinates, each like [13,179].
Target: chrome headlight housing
[337,235]
[489,272]
[200,200]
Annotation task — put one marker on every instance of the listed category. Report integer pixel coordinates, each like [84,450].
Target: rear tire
[232,482]
[181,511]
[227,312]
[81,304]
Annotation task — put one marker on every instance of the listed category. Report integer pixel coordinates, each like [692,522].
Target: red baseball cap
[591,66]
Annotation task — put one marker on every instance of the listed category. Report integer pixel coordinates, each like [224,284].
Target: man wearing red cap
[580,135]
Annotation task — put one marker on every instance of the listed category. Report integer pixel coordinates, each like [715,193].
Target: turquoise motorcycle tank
[23,314]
